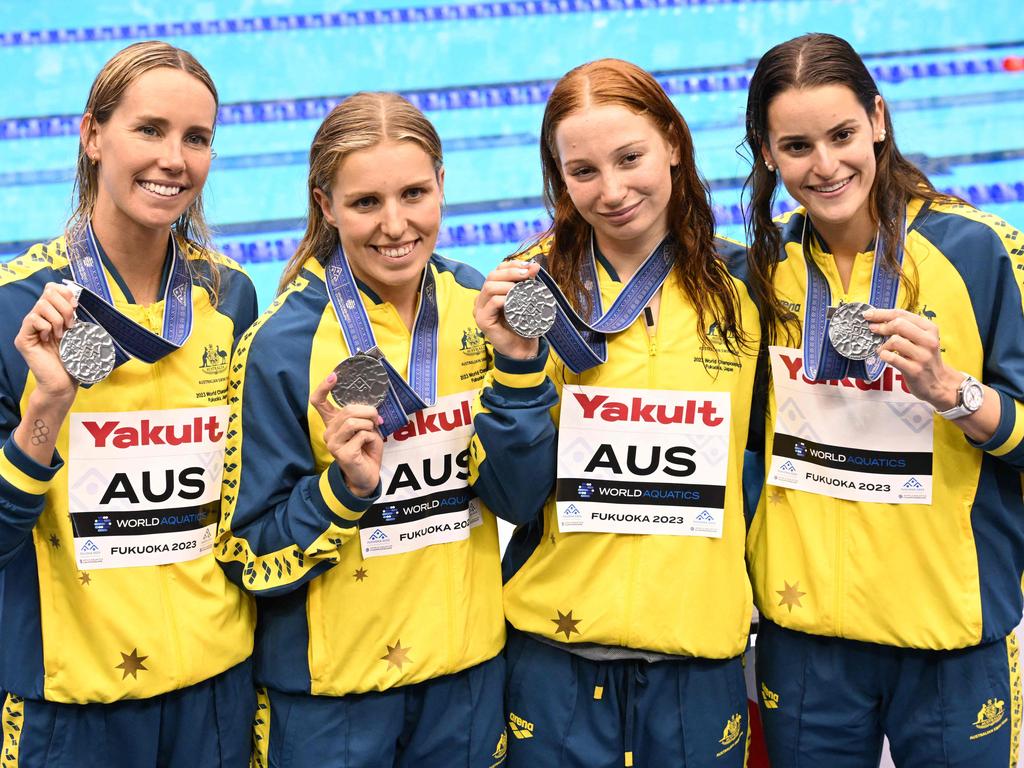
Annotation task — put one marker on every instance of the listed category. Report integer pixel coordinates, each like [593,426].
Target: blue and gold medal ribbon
[403,398]
[821,360]
[583,345]
[95,303]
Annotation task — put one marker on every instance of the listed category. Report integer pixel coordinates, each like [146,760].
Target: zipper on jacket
[164,572]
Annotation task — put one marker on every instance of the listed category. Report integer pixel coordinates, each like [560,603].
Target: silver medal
[362,380]
[530,308]
[87,352]
[849,333]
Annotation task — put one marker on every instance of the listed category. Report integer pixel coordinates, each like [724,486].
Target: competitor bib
[849,438]
[144,486]
[424,474]
[642,461]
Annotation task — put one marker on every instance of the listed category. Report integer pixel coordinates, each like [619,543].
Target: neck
[405,304]
[404,298]
[848,239]
[137,254]
[627,256]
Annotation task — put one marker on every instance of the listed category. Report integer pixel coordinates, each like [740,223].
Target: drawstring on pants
[634,675]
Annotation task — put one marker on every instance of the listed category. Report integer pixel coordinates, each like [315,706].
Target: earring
[769,166]
[881,136]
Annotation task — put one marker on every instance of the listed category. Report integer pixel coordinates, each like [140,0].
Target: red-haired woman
[886,554]
[618,453]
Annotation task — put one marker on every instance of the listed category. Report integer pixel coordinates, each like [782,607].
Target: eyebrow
[622,148]
[845,124]
[426,182]
[163,122]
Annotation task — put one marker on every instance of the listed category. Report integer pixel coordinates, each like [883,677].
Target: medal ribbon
[96,305]
[583,345]
[821,360]
[403,397]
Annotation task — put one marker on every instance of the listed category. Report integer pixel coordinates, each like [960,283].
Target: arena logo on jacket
[144,486]
[425,479]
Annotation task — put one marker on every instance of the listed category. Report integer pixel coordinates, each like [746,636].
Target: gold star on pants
[396,655]
[790,595]
[566,623]
[131,664]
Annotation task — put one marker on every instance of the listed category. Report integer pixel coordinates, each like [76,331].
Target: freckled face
[617,167]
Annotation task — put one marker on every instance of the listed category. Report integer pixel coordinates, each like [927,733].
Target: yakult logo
[146,432]
[635,409]
[888,382]
[438,421]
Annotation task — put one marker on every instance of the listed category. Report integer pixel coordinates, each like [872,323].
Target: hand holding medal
[912,348]
[351,431]
[514,309]
[42,333]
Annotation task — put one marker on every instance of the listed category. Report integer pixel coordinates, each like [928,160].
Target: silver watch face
[973,395]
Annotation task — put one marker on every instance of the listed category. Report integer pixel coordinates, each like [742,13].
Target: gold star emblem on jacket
[790,595]
[132,663]
[566,623]
[397,655]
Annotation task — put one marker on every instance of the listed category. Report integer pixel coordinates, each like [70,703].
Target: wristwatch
[969,396]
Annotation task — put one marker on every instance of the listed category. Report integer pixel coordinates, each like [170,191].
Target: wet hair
[123,69]
[705,280]
[812,61]
[361,121]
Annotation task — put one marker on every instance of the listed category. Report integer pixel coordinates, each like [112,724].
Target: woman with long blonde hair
[347,509]
[124,644]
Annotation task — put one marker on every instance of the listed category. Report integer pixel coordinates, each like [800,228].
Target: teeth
[833,187]
[397,253]
[160,189]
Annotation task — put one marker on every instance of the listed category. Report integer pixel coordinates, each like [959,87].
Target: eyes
[798,147]
[409,195]
[193,140]
[584,172]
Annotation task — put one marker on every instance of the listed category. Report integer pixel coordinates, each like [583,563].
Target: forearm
[41,421]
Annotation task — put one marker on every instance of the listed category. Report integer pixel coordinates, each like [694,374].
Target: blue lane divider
[354,18]
[675,82]
[516,231]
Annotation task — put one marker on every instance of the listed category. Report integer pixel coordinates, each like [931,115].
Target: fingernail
[380,420]
[522,271]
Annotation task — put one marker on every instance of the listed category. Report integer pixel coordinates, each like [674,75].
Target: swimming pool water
[950,72]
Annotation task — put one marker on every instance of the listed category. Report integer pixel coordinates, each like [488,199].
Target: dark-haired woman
[887,550]
[122,642]
[618,454]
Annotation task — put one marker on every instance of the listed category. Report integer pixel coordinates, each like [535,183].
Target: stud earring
[881,136]
[769,166]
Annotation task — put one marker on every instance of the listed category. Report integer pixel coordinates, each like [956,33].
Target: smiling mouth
[620,213]
[832,187]
[163,190]
[396,251]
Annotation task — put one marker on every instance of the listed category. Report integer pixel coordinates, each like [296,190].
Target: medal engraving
[87,352]
[530,309]
[362,380]
[849,333]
